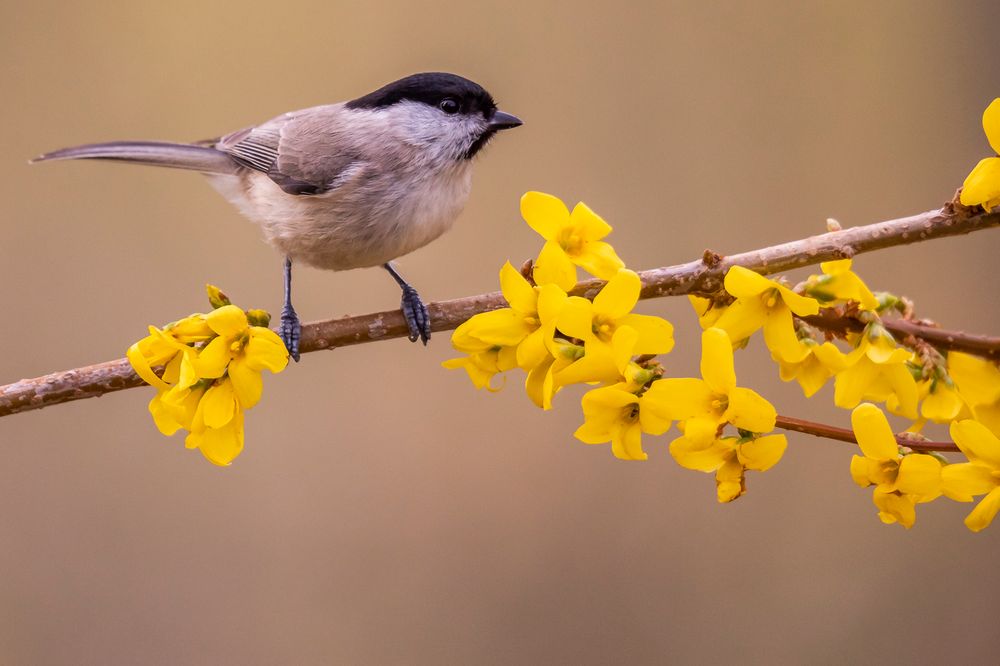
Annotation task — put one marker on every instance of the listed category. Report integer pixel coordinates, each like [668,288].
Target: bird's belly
[350,228]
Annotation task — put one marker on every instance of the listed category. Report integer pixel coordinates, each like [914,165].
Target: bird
[341,186]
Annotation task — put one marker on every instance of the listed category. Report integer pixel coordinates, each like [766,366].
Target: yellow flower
[217,428]
[571,239]
[527,324]
[707,311]
[764,303]
[901,481]
[596,324]
[982,186]
[211,373]
[729,458]
[817,364]
[707,403]
[979,476]
[617,414]
[242,351]
[978,384]
[941,402]
[482,366]
[839,284]
[877,370]
[541,384]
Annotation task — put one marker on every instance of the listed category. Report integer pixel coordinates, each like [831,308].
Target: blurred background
[385,512]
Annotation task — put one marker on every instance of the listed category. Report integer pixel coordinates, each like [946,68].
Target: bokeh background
[385,512]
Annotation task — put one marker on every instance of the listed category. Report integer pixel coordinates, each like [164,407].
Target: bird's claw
[418,320]
[290,331]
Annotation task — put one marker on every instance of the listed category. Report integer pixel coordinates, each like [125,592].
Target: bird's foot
[290,331]
[418,320]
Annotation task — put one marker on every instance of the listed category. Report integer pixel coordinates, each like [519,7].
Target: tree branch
[703,276]
[845,435]
[980,345]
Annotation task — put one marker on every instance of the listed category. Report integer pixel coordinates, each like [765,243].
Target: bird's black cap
[430,88]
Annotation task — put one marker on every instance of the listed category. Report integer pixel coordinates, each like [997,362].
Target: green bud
[259,318]
[216,298]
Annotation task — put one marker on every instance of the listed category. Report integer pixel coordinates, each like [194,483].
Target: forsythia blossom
[981,475]
[901,481]
[212,366]
[715,400]
[559,340]
[570,239]
[729,458]
[764,303]
[982,186]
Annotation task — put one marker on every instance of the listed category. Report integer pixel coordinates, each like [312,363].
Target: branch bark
[703,276]
[845,435]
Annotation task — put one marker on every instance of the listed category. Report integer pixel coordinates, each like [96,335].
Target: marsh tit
[347,185]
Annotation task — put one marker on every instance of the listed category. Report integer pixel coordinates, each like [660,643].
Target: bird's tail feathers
[154,153]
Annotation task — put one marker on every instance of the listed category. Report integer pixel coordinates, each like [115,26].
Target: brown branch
[980,345]
[845,435]
[703,276]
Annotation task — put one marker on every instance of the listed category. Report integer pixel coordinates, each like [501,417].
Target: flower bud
[216,298]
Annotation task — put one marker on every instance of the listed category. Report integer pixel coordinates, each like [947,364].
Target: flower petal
[519,294]
[576,319]
[626,443]
[699,458]
[143,369]
[744,283]
[212,360]
[800,305]
[762,453]
[963,480]
[503,327]
[743,318]
[553,266]
[599,259]
[895,508]
[679,398]
[982,185]
[717,360]
[544,213]
[227,321]
[874,435]
[219,404]
[991,124]
[655,334]
[221,446]
[265,350]
[248,385]
[977,442]
[617,298]
[730,481]
[780,338]
[919,474]
[592,225]
[748,410]
[985,511]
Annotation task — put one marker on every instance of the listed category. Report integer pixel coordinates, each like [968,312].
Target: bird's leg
[417,318]
[291,327]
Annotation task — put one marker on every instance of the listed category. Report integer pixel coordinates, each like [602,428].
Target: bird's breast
[369,221]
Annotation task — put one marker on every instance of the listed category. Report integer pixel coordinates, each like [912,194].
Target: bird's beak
[502,121]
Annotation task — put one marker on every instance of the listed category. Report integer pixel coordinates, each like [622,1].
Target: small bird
[347,185]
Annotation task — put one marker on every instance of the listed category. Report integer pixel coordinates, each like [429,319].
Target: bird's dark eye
[449,105]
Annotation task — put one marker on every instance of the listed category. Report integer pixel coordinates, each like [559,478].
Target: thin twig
[845,435]
[980,345]
[703,276]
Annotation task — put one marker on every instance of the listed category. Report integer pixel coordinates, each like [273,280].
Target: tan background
[384,511]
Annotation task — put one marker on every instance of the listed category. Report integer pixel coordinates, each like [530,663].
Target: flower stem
[845,435]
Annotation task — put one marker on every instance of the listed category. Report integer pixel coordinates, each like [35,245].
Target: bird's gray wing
[298,151]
